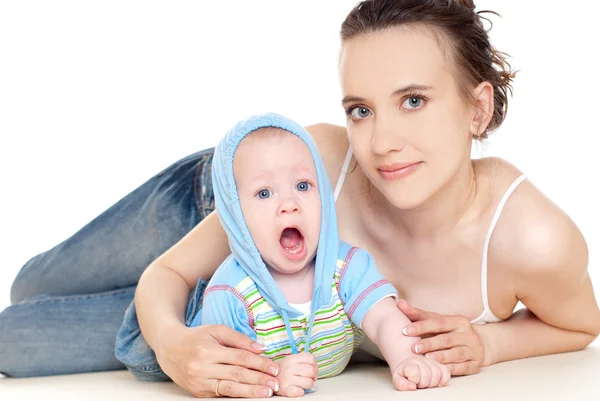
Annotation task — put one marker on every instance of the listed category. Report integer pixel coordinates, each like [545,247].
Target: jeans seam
[146,368]
[56,299]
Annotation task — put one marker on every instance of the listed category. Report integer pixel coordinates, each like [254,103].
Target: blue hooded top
[230,214]
[363,287]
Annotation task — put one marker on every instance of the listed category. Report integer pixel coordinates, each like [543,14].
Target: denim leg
[69,302]
[112,251]
[61,335]
[132,349]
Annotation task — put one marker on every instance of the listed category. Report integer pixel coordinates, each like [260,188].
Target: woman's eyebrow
[348,99]
[411,88]
[405,89]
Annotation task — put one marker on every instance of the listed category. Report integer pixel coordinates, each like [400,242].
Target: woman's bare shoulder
[332,143]
[533,237]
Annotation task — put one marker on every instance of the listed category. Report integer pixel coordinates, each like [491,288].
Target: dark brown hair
[476,59]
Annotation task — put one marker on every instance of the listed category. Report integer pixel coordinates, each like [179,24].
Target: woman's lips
[398,170]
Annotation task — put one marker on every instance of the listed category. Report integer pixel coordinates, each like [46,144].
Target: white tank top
[487,316]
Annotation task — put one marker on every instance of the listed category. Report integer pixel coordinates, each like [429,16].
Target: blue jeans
[70,302]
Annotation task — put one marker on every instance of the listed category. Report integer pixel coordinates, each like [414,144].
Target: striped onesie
[355,287]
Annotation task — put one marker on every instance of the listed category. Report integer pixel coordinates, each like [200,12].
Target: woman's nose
[387,136]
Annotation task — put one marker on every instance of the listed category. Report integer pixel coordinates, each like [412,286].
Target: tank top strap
[487,316]
[343,173]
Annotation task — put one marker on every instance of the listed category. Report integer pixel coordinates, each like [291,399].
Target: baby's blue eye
[263,193]
[303,186]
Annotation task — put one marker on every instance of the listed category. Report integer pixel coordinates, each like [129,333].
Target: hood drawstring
[288,327]
[312,317]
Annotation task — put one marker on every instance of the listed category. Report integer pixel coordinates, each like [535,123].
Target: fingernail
[274,385]
[259,346]
[274,370]
[265,393]
[408,330]
[431,356]
[418,349]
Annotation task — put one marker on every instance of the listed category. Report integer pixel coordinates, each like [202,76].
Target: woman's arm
[543,257]
[549,268]
[195,358]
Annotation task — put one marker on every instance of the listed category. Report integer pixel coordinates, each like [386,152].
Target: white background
[98,96]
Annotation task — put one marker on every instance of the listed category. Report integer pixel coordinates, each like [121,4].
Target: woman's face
[407,123]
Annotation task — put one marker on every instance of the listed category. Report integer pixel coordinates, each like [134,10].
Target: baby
[290,284]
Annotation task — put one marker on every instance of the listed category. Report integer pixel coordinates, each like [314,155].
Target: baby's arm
[383,324]
[369,301]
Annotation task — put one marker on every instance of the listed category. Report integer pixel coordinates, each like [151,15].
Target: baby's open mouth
[292,243]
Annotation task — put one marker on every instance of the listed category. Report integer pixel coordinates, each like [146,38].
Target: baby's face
[277,185]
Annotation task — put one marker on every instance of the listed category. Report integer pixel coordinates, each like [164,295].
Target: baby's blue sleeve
[362,286]
[225,305]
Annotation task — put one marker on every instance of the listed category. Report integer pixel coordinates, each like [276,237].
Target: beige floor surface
[571,376]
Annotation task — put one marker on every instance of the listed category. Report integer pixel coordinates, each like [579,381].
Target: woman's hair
[476,59]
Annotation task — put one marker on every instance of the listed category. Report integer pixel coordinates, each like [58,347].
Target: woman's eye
[303,186]
[360,113]
[263,193]
[412,102]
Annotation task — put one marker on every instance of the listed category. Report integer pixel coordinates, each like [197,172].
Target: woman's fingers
[435,325]
[440,342]
[452,355]
[242,375]
[245,357]
[412,313]
[230,338]
[464,368]
[238,390]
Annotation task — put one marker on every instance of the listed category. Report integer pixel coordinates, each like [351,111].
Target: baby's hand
[419,372]
[298,372]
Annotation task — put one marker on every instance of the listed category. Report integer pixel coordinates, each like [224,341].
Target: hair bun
[465,3]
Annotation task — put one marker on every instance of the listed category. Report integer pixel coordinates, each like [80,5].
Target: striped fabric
[333,338]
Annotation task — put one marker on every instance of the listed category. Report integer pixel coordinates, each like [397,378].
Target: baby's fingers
[412,373]
[402,384]
[445,374]
[434,373]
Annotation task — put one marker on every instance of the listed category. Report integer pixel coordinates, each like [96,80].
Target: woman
[462,240]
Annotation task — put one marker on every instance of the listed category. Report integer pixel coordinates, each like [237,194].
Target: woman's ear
[483,94]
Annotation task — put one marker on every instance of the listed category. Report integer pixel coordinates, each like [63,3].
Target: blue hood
[230,214]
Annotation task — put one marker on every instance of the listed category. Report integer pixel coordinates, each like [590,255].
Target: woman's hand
[200,359]
[450,340]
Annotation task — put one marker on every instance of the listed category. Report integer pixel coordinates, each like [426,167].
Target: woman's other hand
[450,340]
[203,358]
